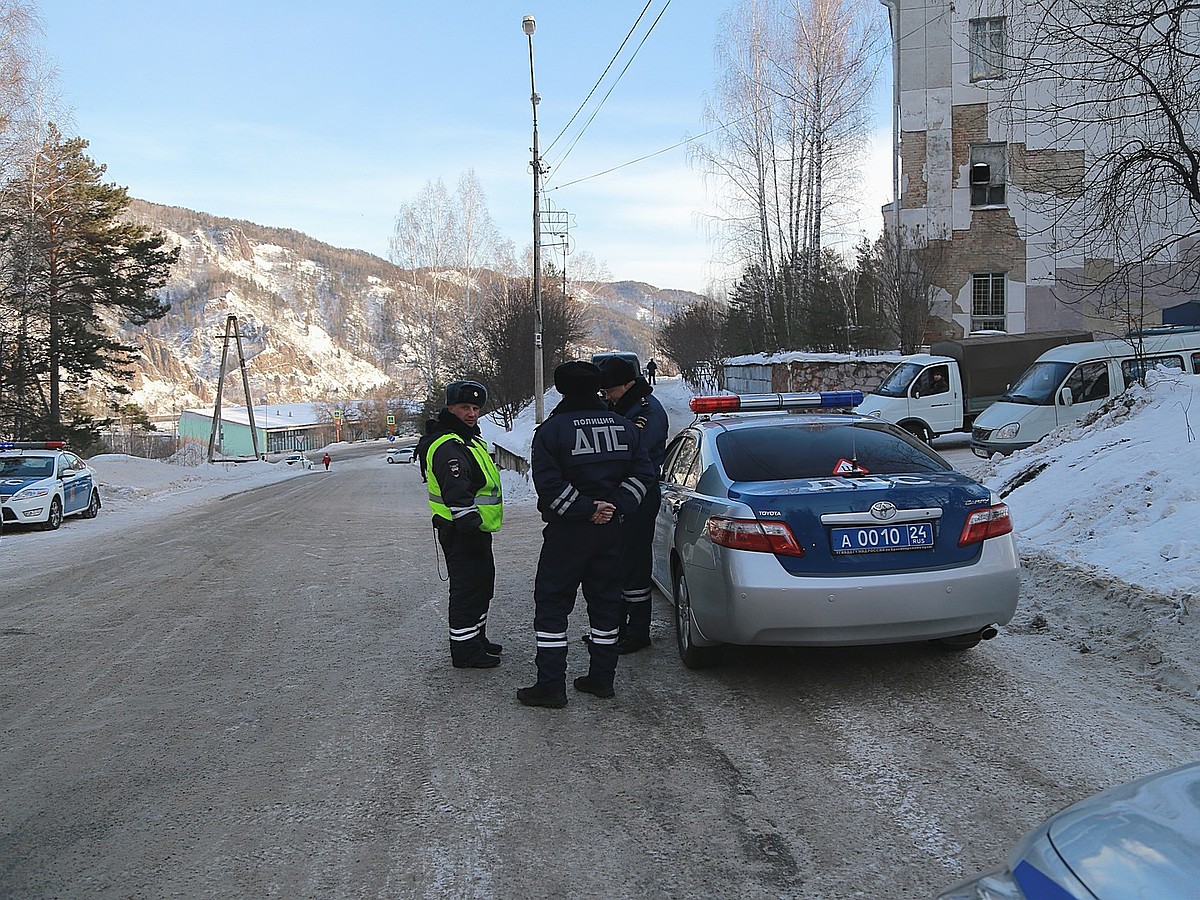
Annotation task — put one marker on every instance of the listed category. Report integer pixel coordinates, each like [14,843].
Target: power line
[687,140]
[575,115]
[645,37]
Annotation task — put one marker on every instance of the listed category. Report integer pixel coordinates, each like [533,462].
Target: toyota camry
[786,522]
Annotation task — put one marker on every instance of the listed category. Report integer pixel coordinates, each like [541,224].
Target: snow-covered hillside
[317,323]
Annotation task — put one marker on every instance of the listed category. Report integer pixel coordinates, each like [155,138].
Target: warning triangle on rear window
[846,467]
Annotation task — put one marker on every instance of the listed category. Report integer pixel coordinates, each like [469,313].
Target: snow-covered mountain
[317,323]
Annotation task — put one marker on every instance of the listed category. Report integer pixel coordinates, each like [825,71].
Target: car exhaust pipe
[988,632]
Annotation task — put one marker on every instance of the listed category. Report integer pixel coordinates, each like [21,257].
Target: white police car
[42,481]
[824,529]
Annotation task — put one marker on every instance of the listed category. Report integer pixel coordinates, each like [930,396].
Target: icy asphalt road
[254,698]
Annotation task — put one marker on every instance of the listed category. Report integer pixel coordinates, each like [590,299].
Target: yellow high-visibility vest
[488,499]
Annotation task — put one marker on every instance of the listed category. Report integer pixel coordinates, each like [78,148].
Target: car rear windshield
[786,451]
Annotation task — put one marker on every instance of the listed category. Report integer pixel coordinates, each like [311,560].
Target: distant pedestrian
[327,461]
[651,371]
[590,470]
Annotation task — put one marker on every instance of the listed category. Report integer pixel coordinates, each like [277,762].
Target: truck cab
[923,395]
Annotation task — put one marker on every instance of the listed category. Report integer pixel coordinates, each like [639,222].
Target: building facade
[985,175]
[280,428]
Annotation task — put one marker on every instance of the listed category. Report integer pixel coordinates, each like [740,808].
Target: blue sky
[327,117]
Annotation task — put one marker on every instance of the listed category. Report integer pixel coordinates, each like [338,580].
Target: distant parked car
[400,455]
[824,529]
[298,459]
[42,481]
[1141,839]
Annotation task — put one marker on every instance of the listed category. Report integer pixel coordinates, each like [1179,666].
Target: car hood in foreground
[802,502]
[1138,840]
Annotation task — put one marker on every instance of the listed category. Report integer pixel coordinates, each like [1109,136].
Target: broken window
[987,174]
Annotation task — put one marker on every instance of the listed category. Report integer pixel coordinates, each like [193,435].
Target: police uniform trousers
[472,572]
[574,554]
[636,562]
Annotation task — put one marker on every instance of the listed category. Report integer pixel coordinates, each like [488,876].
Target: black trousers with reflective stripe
[472,572]
[637,537]
[575,554]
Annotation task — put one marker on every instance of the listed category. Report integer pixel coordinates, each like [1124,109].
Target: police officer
[465,497]
[631,396]
[589,469]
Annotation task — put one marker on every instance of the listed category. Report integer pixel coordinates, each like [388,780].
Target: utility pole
[529,25]
[231,331]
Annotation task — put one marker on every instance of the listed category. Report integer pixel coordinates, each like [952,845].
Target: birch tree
[790,106]
[427,244]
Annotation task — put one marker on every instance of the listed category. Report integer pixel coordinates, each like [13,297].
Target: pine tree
[70,257]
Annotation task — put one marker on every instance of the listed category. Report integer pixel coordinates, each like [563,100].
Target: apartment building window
[987,302]
[987,174]
[987,48]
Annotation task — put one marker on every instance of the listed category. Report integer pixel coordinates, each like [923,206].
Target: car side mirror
[1068,397]
[916,395]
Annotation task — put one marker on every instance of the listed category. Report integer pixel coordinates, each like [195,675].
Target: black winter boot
[594,686]
[472,655]
[491,646]
[543,695]
[637,630]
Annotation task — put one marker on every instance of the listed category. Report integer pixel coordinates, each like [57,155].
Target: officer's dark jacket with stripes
[584,452]
[458,474]
[640,407]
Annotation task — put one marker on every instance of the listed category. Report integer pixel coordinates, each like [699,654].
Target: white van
[1067,383]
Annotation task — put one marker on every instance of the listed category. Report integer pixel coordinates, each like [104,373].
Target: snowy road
[253,697]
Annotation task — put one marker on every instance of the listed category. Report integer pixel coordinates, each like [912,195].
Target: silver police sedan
[783,522]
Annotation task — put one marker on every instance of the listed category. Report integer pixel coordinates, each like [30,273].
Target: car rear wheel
[693,657]
[390,460]
[55,518]
[93,507]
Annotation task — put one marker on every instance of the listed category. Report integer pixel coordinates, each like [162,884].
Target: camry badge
[883,510]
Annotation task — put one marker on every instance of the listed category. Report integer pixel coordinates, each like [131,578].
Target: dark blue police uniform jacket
[583,453]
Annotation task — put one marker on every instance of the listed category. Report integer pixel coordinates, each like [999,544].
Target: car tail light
[751,534]
[989,522]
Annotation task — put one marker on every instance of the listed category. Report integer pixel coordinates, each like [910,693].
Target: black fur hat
[615,371]
[577,378]
[466,392]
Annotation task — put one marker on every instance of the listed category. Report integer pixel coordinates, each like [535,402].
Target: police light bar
[33,445]
[727,403]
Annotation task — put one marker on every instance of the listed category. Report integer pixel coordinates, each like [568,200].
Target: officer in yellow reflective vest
[465,497]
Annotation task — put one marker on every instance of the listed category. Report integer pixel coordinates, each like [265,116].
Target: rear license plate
[876,538]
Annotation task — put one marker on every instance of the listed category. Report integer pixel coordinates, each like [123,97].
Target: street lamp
[529,25]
